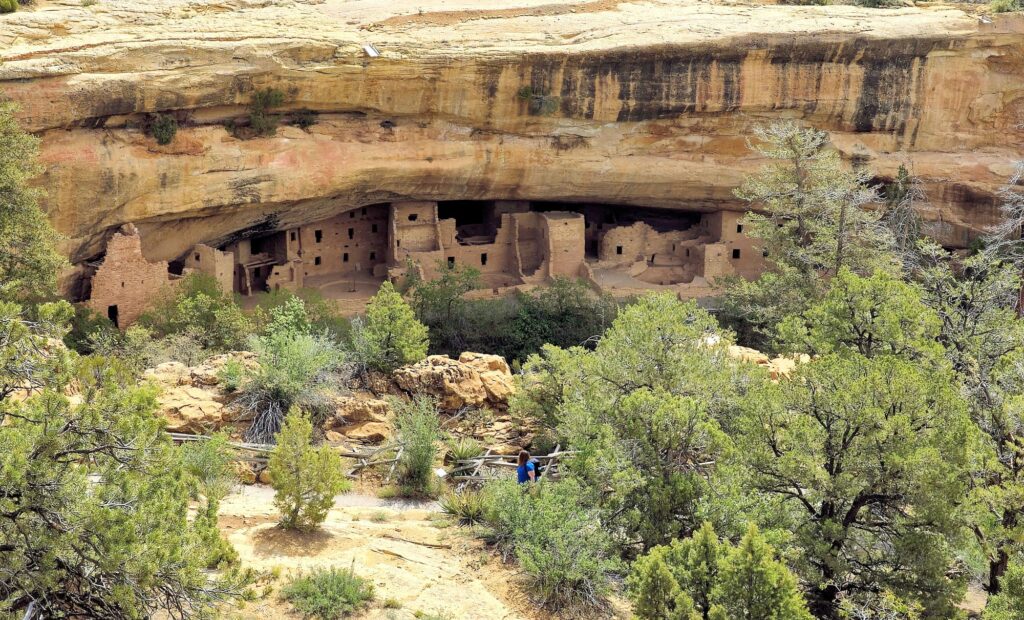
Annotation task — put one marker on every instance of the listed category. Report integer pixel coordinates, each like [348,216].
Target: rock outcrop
[474,380]
[190,398]
[193,400]
[602,101]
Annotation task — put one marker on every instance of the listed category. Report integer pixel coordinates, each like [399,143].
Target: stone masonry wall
[126,284]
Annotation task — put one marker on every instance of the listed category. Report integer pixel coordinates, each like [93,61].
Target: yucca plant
[462,448]
[467,506]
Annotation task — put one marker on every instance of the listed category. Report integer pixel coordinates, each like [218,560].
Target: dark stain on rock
[268,224]
[567,142]
[669,82]
[246,190]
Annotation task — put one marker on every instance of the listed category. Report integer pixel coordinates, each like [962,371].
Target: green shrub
[467,506]
[216,550]
[199,307]
[1005,6]
[567,313]
[419,430]
[538,103]
[391,336]
[1009,603]
[230,375]
[462,448]
[210,464]
[8,6]
[134,347]
[163,128]
[305,479]
[304,119]
[328,594]
[261,121]
[701,577]
[322,314]
[559,542]
[86,324]
[296,368]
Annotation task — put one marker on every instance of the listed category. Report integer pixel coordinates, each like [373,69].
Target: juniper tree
[94,506]
[702,578]
[29,260]
[643,411]
[391,336]
[903,197]
[1005,240]
[865,446]
[305,479]
[984,342]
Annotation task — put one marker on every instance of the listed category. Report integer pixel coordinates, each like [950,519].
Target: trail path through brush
[398,544]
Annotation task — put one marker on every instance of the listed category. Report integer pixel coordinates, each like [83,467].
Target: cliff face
[605,101]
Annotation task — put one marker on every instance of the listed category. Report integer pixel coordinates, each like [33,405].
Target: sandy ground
[409,553]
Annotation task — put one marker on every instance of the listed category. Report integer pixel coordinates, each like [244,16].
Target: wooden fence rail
[259,453]
[464,470]
[476,466]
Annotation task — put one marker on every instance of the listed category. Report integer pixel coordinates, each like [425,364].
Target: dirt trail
[398,545]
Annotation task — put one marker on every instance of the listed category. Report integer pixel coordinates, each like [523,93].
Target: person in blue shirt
[527,469]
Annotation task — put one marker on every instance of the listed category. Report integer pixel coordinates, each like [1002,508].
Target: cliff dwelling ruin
[512,243]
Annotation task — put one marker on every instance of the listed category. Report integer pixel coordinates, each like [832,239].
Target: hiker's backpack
[536,469]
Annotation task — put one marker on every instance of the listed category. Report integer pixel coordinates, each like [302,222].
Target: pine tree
[305,479]
[391,336]
[753,585]
[810,217]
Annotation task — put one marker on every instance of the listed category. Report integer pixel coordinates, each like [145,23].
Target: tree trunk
[824,602]
[997,567]
[840,237]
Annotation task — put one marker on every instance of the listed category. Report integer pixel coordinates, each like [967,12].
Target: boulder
[363,432]
[473,380]
[169,374]
[454,384]
[747,354]
[207,372]
[244,472]
[189,409]
[358,408]
[494,374]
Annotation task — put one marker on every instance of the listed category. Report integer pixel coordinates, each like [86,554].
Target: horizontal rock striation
[645,104]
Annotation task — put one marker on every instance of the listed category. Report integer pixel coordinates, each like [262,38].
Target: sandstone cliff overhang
[616,102]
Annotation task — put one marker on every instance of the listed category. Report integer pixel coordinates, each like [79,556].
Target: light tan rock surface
[636,103]
[474,380]
[190,398]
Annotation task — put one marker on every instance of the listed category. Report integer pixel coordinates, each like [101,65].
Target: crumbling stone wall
[126,284]
[566,235]
[214,263]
